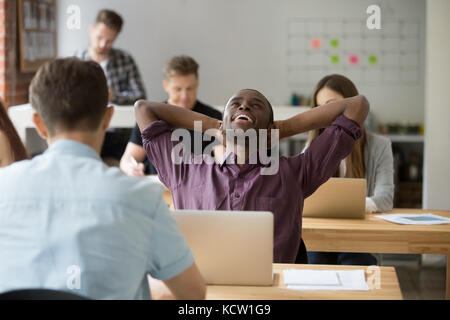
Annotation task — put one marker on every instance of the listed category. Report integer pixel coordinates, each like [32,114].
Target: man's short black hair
[271,119]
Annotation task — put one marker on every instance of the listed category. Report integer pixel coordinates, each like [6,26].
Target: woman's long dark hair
[346,88]
[6,126]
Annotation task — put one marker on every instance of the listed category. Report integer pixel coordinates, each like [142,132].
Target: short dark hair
[180,65]
[111,19]
[69,94]
[271,118]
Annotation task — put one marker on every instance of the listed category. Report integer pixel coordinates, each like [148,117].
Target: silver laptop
[337,198]
[230,247]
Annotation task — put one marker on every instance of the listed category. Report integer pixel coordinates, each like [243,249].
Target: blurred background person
[370,159]
[122,74]
[11,147]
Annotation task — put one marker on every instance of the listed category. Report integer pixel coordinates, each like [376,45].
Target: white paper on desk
[348,280]
[311,277]
[414,218]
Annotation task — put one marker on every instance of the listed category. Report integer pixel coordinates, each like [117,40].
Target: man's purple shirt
[227,186]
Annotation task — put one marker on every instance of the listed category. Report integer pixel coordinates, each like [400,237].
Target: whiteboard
[248,43]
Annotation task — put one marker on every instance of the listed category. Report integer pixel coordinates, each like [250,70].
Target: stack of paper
[414,218]
[325,279]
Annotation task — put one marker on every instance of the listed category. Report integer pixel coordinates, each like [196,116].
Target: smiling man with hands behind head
[232,186]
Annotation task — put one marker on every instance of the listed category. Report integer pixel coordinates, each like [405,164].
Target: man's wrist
[280,124]
[213,124]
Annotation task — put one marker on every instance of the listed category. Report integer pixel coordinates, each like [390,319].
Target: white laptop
[337,198]
[230,247]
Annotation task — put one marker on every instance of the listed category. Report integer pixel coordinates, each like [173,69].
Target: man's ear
[107,117]
[40,126]
[269,129]
[269,134]
[165,85]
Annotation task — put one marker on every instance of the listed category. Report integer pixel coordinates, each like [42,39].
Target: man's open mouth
[243,118]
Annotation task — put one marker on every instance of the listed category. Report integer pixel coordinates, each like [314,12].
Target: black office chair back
[40,294]
[302,254]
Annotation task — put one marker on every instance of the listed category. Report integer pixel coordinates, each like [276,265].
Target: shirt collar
[72,147]
[230,157]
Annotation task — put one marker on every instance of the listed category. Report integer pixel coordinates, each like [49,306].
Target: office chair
[302,256]
[40,294]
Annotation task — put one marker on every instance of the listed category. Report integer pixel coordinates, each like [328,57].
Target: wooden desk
[167,196]
[378,236]
[389,287]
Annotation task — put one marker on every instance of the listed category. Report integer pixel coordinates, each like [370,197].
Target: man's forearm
[354,108]
[177,117]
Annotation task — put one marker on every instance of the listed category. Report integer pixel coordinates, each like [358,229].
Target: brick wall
[13,83]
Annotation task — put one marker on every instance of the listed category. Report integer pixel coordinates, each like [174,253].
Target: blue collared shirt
[69,222]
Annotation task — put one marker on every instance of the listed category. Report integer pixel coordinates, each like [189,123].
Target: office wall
[437,106]
[245,43]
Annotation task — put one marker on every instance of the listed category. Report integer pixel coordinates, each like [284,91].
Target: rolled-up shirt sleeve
[156,140]
[322,158]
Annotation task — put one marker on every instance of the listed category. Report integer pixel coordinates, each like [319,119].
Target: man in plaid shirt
[122,74]
[124,81]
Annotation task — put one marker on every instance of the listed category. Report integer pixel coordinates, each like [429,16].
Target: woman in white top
[371,158]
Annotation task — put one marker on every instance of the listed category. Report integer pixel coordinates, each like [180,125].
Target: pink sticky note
[353,59]
[315,43]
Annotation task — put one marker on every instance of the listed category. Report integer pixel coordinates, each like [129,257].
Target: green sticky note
[334,59]
[334,43]
[373,59]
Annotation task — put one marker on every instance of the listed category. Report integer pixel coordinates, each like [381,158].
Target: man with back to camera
[124,80]
[181,84]
[65,211]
